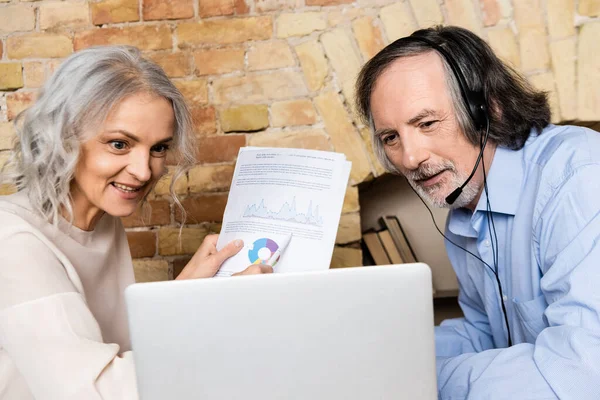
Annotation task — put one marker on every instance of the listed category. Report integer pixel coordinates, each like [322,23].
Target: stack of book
[389,245]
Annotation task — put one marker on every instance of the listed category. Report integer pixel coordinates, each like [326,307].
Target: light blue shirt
[545,200]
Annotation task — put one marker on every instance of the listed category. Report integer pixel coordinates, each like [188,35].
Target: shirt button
[504,298]
[486,243]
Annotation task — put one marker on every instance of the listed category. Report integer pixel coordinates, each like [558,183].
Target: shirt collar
[504,182]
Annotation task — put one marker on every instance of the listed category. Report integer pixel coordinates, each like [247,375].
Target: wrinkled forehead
[407,86]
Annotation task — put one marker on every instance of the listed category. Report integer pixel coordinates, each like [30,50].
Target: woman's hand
[207,260]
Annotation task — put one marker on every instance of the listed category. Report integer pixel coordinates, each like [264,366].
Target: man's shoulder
[563,148]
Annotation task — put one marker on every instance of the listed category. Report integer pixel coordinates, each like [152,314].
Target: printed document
[285,204]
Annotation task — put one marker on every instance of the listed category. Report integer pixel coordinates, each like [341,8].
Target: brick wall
[280,73]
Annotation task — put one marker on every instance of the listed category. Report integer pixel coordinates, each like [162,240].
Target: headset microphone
[451,198]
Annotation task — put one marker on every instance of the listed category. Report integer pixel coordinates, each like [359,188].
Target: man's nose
[414,153]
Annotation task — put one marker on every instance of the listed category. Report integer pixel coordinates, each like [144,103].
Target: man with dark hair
[523,231]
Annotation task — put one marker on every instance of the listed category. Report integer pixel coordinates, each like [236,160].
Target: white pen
[271,261]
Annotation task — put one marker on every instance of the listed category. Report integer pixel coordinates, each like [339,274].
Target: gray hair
[80,95]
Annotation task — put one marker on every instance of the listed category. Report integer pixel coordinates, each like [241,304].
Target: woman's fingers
[231,249]
[255,269]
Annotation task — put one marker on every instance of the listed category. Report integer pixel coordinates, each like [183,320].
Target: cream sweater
[63,324]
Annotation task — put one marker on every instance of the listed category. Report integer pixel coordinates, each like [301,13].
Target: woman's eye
[160,148]
[118,144]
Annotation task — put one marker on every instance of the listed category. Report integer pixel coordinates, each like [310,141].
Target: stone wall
[280,73]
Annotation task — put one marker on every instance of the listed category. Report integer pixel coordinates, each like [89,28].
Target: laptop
[355,333]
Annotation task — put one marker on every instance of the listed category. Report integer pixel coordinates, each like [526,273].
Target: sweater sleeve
[49,332]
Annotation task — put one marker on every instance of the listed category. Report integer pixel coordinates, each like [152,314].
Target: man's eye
[428,124]
[118,144]
[389,139]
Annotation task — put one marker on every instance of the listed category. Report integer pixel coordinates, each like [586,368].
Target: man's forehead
[429,63]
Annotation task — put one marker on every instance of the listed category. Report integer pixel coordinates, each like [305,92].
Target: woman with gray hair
[88,152]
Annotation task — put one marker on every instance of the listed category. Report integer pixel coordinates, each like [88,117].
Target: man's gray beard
[468,194]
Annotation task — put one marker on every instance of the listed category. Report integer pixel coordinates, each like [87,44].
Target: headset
[477,109]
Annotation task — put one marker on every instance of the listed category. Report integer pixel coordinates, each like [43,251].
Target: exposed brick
[205,120]
[397,20]
[217,149]
[170,243]
[162,187]
[343,135]
[218,61]
[293,112]
[59,14]
[38,45]
[313,63]
[11,76]
[490,10]
[224,31]
[345,257]
[34,74]
[368,37]
[114,11]
[167,9]
[145,37]
[150,270]
[204,208]
[159,214]
[348,229]
[276,5]
[462,13]
[327,2]
[258,87]
[195,91]
[343,16]
[175,65]
[427,12]
[210,178]
[246,118]
[532,35]
[345,60]
[315,139]
[52,66]
[241,7]
[589,8]
[564,55]
[351,200]
[142,244]
[504,44]
[588,65]
[7,135]
[300,24]
[211,8]
[179,265]
[270,55]
[561,17]
[17,102]
[1,49]
[17,18]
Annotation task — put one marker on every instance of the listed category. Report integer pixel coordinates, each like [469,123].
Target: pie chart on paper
[262,250]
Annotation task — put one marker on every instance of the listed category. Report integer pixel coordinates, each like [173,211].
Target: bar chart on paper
[286,212]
